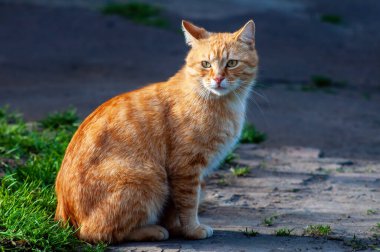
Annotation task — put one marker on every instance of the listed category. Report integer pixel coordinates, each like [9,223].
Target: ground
[289,188]
[320,163]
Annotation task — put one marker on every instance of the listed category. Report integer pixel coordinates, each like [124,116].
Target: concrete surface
[298,188]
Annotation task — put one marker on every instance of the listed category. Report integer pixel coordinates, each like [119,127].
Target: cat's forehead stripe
[211,56]
[224,54]
[219,55]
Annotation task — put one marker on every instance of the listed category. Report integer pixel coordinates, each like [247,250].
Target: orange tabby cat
[134,168]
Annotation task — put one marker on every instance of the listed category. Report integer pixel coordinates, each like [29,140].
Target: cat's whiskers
[238,99]
[264,97]
[256,104]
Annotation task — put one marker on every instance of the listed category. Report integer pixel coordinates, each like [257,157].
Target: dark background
[55,54]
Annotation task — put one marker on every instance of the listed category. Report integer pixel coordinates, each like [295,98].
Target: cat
[134,168]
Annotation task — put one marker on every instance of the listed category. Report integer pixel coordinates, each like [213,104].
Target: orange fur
[138,160]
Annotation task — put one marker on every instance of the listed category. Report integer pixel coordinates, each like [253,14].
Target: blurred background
[319,72]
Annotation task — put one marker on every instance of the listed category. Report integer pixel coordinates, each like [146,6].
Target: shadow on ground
[287,188]
[236,241]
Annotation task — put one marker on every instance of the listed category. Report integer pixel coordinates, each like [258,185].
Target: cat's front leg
[186,191]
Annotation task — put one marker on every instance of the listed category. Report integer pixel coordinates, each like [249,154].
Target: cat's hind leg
[114,221]
[148,233]
[125,205]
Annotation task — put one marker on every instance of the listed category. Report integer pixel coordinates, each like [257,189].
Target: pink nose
[218,79]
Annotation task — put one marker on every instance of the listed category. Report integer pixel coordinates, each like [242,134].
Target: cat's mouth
[220,87]
[219,91]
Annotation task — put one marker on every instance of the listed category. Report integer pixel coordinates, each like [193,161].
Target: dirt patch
[291,188]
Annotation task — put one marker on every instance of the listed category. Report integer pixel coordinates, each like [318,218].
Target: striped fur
[134,168]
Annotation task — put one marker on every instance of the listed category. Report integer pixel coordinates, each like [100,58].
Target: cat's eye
[232,63]
[206,64]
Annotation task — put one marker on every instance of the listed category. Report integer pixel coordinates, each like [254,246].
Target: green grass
[250,232]
[222,182]
[376,231]
[269,221]
[251,135]
[317,230]
[371,212]
[356,244]
[321,82]
[140,13]
[32,155]
[332,19]
[376,236]
[367,96]
[26,216]
[376,228]
[283,232]
[230,158]
[240,171]
[67,120]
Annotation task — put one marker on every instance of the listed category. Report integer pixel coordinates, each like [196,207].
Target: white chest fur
[238,107]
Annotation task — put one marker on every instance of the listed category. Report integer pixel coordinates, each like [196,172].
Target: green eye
[232,63]
[206,64]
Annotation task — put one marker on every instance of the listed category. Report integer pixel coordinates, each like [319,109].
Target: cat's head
[221,63]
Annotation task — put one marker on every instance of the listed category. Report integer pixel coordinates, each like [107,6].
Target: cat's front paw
[199,232]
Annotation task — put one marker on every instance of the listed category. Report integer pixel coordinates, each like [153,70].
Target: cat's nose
[218,79]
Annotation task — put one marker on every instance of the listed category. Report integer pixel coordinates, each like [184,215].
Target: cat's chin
[218,92]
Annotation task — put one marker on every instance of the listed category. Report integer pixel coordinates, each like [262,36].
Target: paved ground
[295,186]
[57,53]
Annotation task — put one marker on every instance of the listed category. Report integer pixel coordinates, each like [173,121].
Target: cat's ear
[247,33]
[193,33]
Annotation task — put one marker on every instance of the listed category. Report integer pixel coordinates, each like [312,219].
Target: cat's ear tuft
[247,33]
[193,33]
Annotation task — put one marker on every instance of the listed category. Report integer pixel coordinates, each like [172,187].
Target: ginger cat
[134,168]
